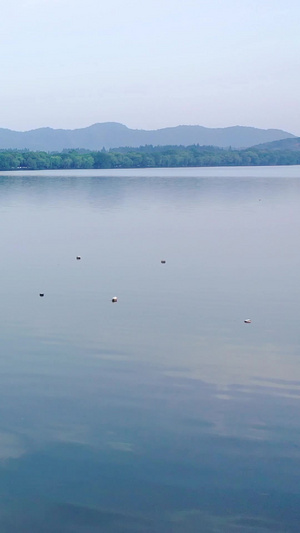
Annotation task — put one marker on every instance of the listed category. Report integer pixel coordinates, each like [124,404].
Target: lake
[163,412]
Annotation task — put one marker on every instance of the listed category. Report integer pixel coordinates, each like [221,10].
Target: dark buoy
[163,261]
[78,257]
[114,299]
[42,294]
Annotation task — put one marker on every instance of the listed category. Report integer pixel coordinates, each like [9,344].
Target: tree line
[145,157]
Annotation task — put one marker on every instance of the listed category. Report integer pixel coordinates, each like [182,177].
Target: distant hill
[292,144]
[114,135]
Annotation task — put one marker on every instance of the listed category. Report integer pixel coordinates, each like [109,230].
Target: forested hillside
[145,157]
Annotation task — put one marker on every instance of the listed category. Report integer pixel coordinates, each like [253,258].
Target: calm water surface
[163,413]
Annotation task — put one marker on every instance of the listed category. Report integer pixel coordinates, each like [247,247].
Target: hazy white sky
[150,63]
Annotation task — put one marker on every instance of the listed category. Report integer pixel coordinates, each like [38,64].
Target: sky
[150,64]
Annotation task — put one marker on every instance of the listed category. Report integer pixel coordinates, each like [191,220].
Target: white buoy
[247,321]
[114,299]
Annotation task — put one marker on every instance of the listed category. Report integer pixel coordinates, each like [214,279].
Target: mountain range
[113,135]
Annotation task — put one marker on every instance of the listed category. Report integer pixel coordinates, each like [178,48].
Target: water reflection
[163,412]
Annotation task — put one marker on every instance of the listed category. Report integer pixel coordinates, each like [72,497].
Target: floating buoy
[78,257]
[42,294]
[163,261]
[247,321]
[114,299]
